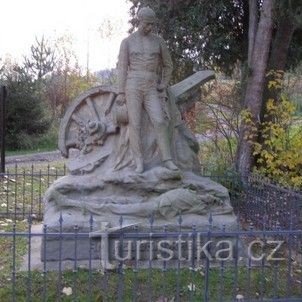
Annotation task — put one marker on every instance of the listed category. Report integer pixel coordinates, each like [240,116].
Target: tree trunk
[281,44]
[278,58]
[253,23]
[255,84]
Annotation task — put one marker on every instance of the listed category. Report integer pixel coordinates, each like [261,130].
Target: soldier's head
[146,18]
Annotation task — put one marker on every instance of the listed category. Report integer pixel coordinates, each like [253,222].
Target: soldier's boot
[164,147]
[139,165]
[170,165]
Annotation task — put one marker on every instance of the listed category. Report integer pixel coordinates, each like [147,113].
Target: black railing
[256,201]
[260,260]
[183,265]
[22,190]
[265,204]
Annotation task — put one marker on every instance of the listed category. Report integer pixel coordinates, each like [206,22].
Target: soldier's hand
[161,87]
[121,99]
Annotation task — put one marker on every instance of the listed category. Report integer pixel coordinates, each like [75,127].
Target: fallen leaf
[67,291]
[192,287]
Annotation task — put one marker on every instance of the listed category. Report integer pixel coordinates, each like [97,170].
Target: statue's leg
[134,99]
[155,111]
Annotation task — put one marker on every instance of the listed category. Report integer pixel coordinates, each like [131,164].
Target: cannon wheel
[93,105]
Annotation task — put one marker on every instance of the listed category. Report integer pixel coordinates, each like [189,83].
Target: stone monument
[136,156]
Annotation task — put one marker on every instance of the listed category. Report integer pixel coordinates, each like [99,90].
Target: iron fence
[196,264]
[266,204]
[255,200]
[22,190]
[40,263]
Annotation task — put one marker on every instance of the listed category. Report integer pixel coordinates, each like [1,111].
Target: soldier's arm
[167,65]
[123,62]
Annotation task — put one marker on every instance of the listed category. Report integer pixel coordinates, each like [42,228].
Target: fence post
[3,94]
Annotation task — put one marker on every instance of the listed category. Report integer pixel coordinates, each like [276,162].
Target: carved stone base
[138,244]
[110,208]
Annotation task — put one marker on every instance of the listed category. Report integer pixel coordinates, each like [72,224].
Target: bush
[27,115]
[279,154]
[215,157]
[218,122]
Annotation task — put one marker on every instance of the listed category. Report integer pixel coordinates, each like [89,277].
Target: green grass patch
[11,248]
[30,151]
[145,285]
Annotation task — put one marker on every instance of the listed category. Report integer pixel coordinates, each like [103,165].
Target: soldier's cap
[146,14]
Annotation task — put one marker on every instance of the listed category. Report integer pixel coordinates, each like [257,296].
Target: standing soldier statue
[144,71]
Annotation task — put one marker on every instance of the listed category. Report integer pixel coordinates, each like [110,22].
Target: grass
[145,285]
[30,151]
[10,249]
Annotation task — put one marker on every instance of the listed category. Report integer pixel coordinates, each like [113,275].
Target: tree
[49,78]
[66,80]
[288,23]
[27,110]
[107,76]
[26,114]
[62,86]
[42,59]
[260,37]
[216,34]
[201,34]
[278,22]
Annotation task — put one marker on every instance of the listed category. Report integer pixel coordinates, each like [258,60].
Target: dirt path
[34,158]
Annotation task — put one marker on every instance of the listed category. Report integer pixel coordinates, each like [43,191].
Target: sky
[23,20]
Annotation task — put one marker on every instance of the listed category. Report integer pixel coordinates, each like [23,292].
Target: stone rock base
[134,217]
[139,245]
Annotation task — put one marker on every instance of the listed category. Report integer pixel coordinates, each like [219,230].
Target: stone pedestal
[138,245]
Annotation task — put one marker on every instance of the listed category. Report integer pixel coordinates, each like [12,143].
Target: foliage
[215,156]
[67,80]
[42,59]
[219,34]
[220,102]
[279,154]
[218,124]
[291,11]
[40,89]
[26,114]
[107,76]
[200,34]
[63,85]
[295,49]
[292,87]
